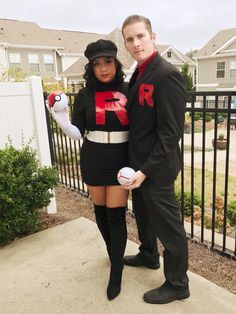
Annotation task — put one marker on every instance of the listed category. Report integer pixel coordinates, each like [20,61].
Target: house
[39,51]
[177,58]
[58,54]
[216,63]
[74,74]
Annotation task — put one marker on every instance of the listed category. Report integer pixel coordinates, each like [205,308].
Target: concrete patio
[65,270]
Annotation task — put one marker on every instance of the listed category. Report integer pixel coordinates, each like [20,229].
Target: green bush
[208,117]
[221,119]
[187,201]
[212,114]
[24,189]
[221,136]
[197,116]
[231,212]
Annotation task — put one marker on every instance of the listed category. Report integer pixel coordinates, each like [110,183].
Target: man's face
[139,42]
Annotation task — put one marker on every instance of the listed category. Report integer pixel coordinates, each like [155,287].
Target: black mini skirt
[100,162]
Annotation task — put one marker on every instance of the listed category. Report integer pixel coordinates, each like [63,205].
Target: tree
[188,78]
[192,53]
[12,75]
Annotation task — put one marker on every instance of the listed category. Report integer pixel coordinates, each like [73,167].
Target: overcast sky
[184,24]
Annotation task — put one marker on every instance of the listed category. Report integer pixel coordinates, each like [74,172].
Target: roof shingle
[16,32]
[217,41]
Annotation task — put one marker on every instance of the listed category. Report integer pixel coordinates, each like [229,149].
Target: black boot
[102,223]
[118,233]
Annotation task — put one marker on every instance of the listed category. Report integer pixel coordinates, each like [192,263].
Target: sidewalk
[209,155]
[65,270]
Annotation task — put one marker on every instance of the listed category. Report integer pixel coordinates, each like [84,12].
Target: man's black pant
[157,216]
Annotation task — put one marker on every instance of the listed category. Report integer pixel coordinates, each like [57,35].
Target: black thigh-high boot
[102,223]
[118,233]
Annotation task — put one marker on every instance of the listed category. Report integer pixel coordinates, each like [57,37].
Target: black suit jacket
[156,108]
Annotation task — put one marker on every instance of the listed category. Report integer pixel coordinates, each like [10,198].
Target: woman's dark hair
[90,80]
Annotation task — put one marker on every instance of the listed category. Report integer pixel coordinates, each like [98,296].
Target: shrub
[197,116]
[208,118]
[24,189]
[219,216]
[50,85]
[221,119]
[231,212]
[187,117]
[187,201]
[221,137]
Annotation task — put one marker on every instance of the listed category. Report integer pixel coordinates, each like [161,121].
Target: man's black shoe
[166,293]
[136,261]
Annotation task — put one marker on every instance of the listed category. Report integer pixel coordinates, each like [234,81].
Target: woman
[100,116]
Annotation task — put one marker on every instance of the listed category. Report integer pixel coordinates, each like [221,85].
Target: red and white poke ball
[58,100]
[124,175]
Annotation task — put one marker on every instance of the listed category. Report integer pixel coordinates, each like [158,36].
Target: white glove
[62,119]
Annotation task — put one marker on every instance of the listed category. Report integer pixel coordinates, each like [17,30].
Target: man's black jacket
[156,108]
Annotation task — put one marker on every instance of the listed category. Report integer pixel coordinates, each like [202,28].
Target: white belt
[108,137]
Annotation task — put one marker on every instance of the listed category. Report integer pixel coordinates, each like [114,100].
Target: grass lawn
[220,184]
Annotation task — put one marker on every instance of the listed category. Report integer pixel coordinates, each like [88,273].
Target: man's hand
[135,181]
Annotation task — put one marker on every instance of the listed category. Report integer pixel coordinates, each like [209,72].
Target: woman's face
[104,69]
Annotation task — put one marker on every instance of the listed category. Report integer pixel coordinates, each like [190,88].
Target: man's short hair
[135,19]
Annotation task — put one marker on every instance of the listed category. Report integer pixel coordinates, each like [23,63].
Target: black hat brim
[103,54]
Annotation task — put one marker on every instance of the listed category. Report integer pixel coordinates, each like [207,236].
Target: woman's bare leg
[116,196]
[98,194]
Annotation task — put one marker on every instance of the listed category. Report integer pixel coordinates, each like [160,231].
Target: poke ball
[124,175]
[58,100]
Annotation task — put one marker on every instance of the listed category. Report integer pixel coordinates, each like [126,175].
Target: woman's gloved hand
[57,105]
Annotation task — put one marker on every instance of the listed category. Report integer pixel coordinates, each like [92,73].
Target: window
[168,54]
[232,69]
[220,72]
[48,63]
[14,60]
[33,63]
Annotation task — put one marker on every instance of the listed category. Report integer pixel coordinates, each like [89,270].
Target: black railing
[65,152]
[212,170]
[206,186]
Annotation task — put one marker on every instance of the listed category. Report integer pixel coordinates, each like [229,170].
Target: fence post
[41,130]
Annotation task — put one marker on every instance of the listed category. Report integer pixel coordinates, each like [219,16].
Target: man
[156,107]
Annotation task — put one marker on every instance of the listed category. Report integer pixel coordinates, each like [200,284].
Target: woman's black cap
[100,48]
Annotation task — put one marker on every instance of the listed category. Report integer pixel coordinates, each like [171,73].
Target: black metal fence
[206,186]
[65,153]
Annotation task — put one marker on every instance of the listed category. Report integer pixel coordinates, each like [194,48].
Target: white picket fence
[22,115]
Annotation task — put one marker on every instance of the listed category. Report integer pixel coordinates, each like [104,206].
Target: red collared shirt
[143,66]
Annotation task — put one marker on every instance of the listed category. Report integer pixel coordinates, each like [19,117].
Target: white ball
[124,175]
[60,104]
